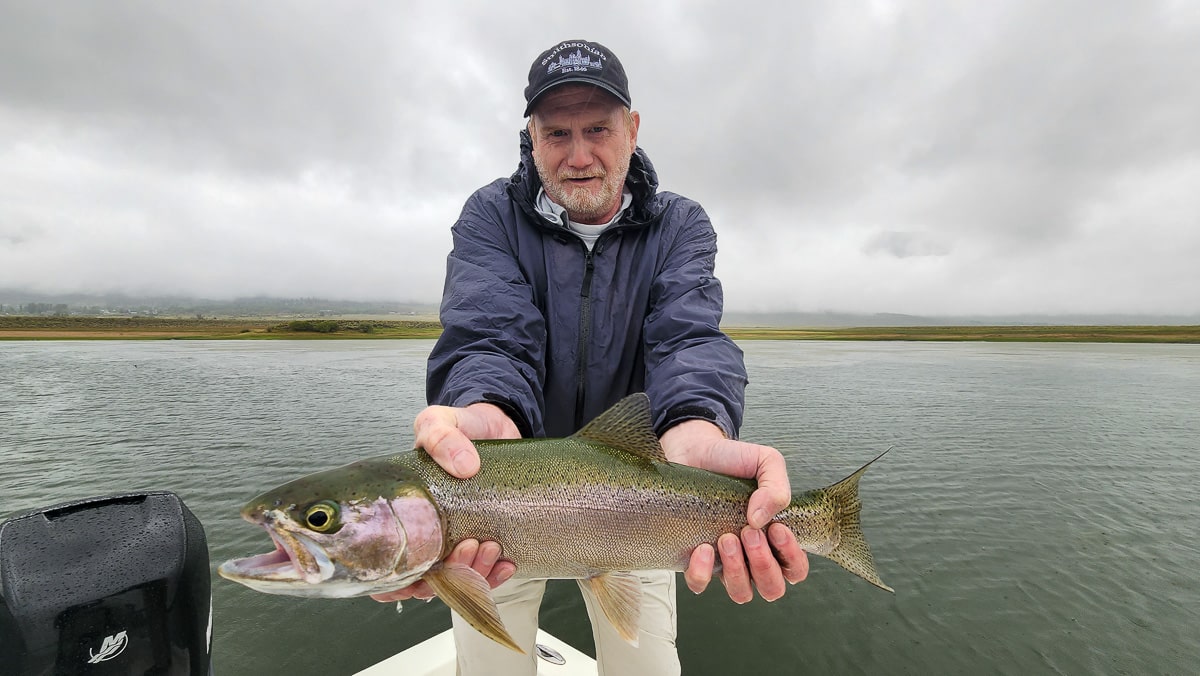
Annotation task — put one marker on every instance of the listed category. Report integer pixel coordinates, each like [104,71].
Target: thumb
[437,433]
[461,456]
[774,492]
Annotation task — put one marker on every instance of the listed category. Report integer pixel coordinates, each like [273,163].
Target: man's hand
[484,558]
[753,560]
[445,433]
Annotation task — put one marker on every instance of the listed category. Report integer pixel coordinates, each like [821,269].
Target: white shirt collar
[557,213]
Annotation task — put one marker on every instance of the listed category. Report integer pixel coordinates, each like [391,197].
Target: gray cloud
[884,157]
[904,245]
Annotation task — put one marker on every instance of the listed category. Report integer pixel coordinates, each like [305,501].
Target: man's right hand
[484,558]
[445,432]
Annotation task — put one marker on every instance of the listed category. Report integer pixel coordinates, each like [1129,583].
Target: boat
[435,657]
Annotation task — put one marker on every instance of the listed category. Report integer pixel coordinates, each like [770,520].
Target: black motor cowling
[115,585]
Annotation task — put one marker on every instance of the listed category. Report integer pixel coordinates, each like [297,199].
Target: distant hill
[12,302]
[22,303]
[845,319]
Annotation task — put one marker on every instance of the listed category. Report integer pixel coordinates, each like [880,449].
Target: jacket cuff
[681,413]
[510,409]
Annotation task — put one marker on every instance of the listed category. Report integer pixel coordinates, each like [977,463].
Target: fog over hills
[13,302]
[1017,158]
[845,319]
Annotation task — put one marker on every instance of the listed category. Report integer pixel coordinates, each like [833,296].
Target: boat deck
[435,657]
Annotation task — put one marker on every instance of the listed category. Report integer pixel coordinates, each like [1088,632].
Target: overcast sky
[915,157]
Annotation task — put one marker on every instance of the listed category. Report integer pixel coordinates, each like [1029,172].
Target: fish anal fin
[627,426]
[620,597]
[468,594]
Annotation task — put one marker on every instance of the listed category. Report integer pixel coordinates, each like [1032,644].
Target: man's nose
[580,154]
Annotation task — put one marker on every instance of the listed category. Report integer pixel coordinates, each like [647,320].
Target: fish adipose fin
[627,425]
[620,597]
[852,552]
[468,594]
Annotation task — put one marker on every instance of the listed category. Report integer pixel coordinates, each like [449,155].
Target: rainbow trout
[593,506]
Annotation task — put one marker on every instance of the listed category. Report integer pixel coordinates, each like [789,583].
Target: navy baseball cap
[576,61]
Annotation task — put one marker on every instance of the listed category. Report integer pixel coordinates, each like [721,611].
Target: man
[572,284]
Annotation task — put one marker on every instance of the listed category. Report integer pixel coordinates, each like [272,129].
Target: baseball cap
[576,61]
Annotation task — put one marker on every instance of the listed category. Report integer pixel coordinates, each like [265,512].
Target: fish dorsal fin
[626,426]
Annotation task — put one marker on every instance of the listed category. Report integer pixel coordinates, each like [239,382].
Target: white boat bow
[435,657]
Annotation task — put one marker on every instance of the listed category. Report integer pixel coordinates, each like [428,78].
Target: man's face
[582,142]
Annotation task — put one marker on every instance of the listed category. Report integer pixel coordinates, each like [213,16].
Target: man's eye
[558,133]
[598,130]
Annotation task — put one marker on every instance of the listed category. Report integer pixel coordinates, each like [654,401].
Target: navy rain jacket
[554,334]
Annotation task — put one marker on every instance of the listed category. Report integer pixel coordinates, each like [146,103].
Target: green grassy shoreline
[163,328]
[1063,334]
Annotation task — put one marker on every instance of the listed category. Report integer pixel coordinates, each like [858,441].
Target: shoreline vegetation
[266,328]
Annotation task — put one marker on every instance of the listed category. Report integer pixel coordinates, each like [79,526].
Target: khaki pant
[519,602]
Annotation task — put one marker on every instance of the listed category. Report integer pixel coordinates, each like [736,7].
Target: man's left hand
[751,559]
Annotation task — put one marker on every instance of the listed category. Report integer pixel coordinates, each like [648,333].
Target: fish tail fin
[852,551]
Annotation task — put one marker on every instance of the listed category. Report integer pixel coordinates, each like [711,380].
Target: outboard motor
[108,586]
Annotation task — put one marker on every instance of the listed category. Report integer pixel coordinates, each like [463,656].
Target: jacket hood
[642,181]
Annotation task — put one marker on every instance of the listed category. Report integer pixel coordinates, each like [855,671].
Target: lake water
[1038,512]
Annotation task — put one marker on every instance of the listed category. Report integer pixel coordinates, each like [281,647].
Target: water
[1037,513]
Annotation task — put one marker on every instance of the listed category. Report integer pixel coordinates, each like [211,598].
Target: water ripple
[1036,513]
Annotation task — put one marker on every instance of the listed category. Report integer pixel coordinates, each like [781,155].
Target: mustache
[568,175]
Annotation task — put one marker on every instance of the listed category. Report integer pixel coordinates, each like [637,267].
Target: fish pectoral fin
[620,597]
[468,594]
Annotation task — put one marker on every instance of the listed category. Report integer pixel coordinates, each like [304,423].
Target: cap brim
[575,80]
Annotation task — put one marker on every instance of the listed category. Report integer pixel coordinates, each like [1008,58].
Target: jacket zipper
[585,334]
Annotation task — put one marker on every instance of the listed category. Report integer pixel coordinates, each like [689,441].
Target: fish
[598,506]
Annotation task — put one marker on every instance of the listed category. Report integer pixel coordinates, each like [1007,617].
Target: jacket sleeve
[693,370]
[493,338]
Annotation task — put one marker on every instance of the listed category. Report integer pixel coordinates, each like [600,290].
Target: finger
[734,575]
[416,590]
[449,448]
[484,557]
[488,554]
[792,559]
[774,492]
[700,568]
[464,552]
[393,596]
[421,590]
[501,573]
[488,563]
[764,569]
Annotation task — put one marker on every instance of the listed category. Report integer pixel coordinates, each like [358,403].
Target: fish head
[366,528]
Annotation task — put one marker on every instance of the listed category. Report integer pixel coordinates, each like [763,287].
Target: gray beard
[582,205]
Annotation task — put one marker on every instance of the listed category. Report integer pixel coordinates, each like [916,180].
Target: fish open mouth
[278,564]
[286,563]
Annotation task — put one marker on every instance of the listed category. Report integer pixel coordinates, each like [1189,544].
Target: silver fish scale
[572,508]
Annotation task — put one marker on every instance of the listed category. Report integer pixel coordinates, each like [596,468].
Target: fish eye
[322,516]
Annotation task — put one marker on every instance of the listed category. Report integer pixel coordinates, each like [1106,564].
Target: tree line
[57,309]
